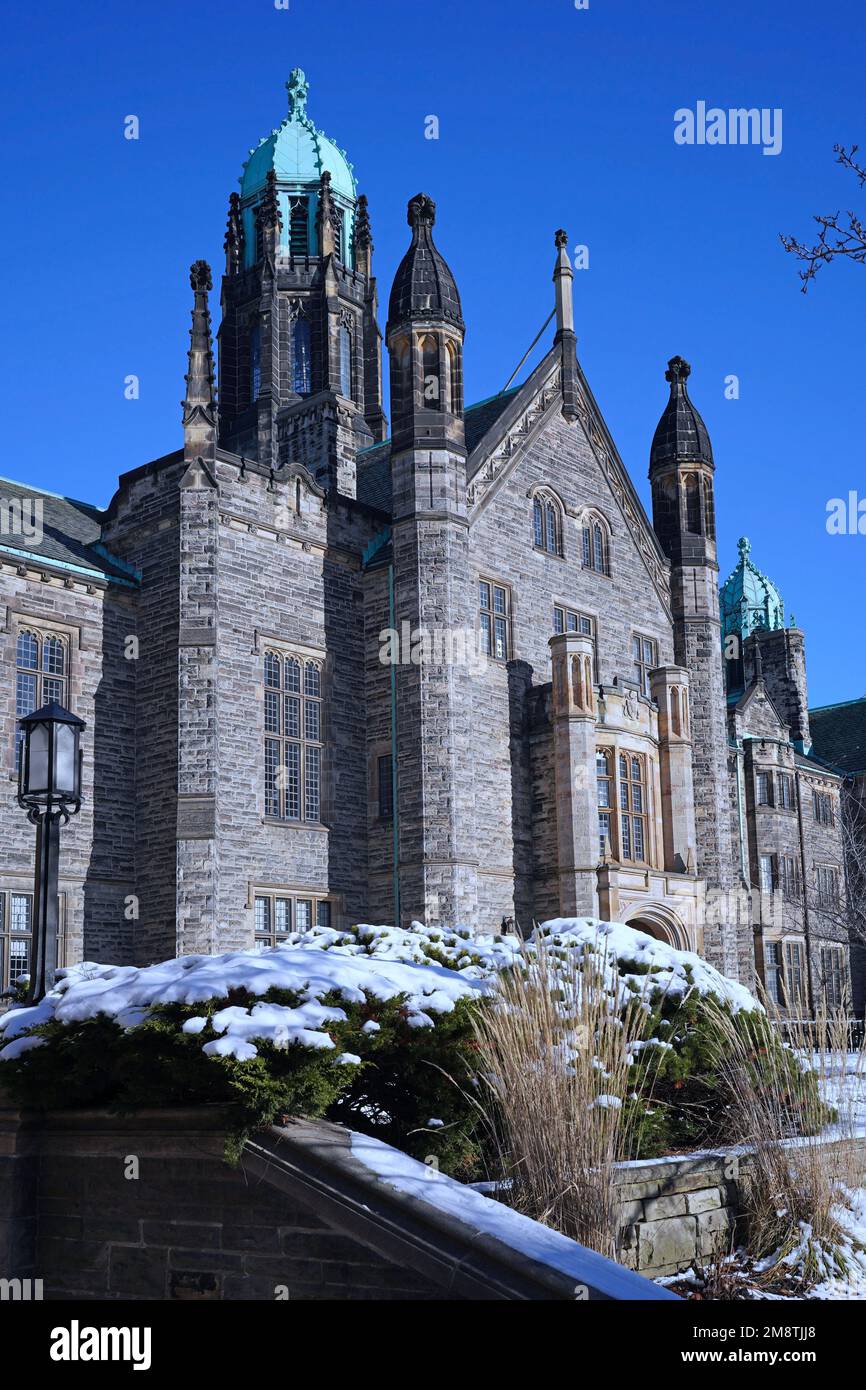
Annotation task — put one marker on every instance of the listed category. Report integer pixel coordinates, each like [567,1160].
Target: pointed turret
[681,473]
[200,416]
[425,340]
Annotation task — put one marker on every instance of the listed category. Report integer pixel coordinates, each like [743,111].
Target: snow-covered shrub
[371,1026]
[367,1025]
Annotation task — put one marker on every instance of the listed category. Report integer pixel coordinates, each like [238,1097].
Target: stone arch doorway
[662,924]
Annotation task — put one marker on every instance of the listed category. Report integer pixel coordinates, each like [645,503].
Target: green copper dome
[748,599]
[298,152]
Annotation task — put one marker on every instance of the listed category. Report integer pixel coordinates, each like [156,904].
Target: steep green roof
[297,151]
[748,599]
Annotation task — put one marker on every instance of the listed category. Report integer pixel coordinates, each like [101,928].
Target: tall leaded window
[337,224]
[766,873]
[834,976]
[41,673]
[16,936]
[794,974]
[643,651]
[495,609]
[828,886]
[255,362]
[786,791]
[299,223]
[763,789]
[301,357]
[774,972]
[604,785]
[823,808]
[546,525]
[386,787]
[293,738]
[632,808]
[345,362]
[595,552]
[789,876]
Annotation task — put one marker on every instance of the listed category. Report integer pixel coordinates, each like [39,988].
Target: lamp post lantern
[49,790]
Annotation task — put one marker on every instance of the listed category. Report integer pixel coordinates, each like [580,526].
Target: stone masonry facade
[454,673]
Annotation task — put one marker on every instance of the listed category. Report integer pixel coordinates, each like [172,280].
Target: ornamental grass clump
[794,1178]
[559,1045]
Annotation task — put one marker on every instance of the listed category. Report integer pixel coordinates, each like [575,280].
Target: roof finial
[422,211]
[297,88]
[678,372]
[744,546]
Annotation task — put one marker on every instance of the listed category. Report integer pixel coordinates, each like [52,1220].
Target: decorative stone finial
[561,239]
[363,232]
[297,88]
[200,276]
[678,371]
[422,211]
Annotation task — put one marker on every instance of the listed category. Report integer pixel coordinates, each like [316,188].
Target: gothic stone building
[264,747]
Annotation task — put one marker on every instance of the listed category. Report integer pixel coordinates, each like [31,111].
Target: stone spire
[200,415]
[233,245]
[363,238]
[269,220]
[563,276]
[325,217]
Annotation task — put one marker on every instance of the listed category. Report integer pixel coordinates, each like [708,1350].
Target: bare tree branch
[835,238]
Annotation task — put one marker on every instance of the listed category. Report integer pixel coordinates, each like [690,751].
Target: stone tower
[299,346]
[681,474]
[432,587]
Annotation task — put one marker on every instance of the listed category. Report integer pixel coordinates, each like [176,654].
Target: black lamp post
[49,790]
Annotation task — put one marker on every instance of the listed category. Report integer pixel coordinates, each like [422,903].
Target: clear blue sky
[549,116]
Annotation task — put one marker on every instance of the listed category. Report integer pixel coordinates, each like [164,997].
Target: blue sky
[549,116]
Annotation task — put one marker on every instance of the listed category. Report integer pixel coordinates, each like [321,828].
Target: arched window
[547,524]
[693,504]
[401,376]
[337,224]
[596,552]
[301,357]
[675,711]
[299,225]
[345,362]
[431,387]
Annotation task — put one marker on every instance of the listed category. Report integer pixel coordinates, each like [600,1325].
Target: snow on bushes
[371,1026]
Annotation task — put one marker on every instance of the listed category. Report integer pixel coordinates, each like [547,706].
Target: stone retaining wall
[683,1211]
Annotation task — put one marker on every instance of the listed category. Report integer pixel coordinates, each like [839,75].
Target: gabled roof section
[71,535]
[839,735]
[757,693]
